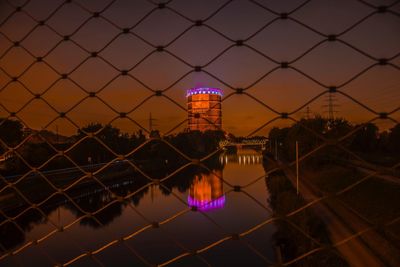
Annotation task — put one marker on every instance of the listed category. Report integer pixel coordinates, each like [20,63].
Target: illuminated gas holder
[204,108]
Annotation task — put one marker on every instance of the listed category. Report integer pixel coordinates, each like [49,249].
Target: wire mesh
[94,175]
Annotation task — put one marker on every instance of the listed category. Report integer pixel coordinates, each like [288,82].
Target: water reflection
[92,198]
[206,191]
[201,188]
[243,157]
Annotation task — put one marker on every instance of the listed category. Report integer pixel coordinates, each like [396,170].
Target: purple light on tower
[207,205]
[203,90]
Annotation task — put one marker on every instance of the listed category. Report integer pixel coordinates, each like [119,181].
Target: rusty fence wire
[325,89]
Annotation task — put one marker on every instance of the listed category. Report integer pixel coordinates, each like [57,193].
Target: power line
[308,112]
[151,122]
[331,106]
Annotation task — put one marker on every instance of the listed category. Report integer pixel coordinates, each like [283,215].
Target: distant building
[204,108]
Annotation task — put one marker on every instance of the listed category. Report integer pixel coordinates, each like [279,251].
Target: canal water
[175,227]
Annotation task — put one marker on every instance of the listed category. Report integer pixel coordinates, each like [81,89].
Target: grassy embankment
[372,203]
[302,232]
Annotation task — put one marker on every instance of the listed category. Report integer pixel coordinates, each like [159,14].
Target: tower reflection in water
[206,191]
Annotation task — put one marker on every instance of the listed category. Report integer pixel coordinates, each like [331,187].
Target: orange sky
[285,90]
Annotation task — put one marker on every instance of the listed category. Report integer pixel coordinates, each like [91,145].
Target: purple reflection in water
[205,205]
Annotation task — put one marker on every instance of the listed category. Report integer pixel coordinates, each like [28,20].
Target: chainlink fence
[11,10]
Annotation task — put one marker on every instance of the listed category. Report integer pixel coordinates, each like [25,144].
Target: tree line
[96,143]
[364,140]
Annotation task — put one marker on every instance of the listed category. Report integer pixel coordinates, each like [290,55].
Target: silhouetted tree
[10,133]
[309,133]
[365,139]
[96,149]
[197,144]
[394,140]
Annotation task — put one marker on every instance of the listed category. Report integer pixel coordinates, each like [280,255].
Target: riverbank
[371,203]
[351,206]
[301,232]
[36,189]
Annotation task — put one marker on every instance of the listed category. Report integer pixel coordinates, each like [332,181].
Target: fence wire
[325,89]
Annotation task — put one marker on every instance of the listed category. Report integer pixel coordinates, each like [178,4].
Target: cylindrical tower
[204,108]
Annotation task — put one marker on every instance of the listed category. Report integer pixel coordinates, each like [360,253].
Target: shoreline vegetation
[24,149]
[329,170]
[302,232]
[358,197]
[358,209]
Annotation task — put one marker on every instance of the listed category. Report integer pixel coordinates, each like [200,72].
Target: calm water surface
[221,212]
